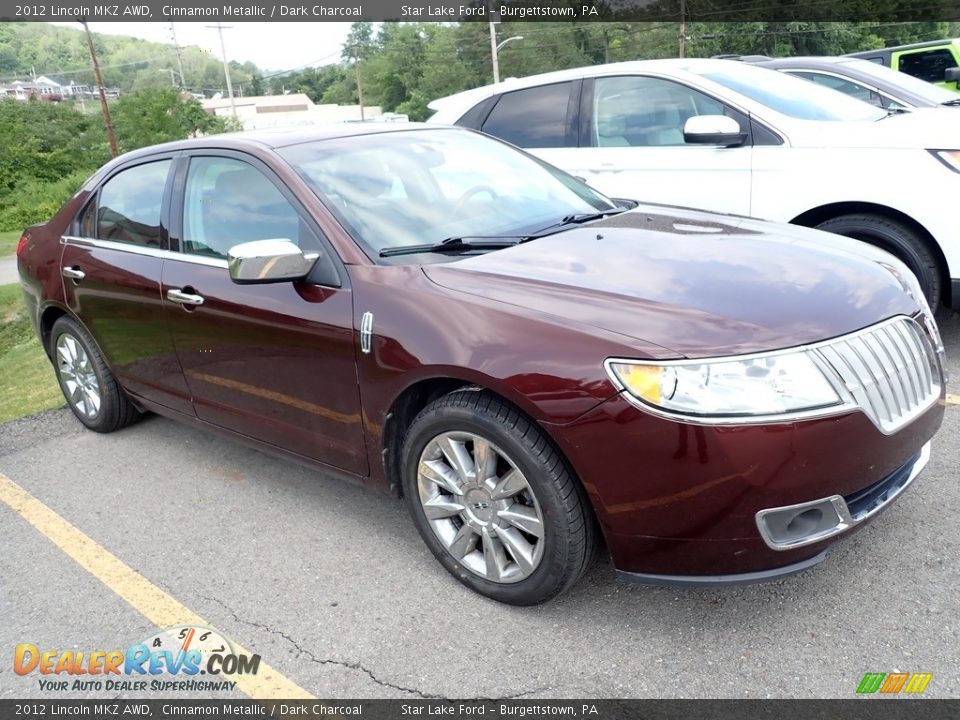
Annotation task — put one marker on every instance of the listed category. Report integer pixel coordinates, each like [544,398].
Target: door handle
[179,296]
[74,273]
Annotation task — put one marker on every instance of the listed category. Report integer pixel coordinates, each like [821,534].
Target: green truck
[937,61]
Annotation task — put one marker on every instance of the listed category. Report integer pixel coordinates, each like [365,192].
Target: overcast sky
[272,46]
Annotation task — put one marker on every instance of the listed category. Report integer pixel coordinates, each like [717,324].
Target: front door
[275,362]
[634,146]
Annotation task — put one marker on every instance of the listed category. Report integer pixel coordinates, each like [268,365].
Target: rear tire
[520,531]
[91,391]
[897,238]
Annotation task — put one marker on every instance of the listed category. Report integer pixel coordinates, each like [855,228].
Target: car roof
[468,98]
[278,137]
[910,46]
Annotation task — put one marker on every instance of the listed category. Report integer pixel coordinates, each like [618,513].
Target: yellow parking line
[145,597]
[952,399]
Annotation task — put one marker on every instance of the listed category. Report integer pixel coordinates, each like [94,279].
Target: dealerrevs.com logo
[182,652]
[894,683]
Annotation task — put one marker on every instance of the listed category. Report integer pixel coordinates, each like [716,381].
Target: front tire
[897,238]
[87,384]
[494,500]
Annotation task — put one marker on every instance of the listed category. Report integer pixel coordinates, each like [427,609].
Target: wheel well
[47,319]
[812,218]
[401,415]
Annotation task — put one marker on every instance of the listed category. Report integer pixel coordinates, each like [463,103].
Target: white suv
[735,138]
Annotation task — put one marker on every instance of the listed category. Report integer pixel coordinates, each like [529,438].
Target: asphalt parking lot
[332,586]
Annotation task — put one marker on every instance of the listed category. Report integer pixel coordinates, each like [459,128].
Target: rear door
[275,362]
[111,265]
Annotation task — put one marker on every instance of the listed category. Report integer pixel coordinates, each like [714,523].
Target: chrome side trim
[845,521]
[143,250]
[366,332]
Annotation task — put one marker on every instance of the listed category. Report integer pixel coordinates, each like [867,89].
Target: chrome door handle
[178,296]
[73,273]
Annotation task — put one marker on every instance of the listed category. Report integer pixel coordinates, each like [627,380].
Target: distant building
[264,111]
[46,88]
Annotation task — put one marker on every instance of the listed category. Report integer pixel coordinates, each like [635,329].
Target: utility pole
[683,28]
[493,51]
[176,45]
[226,67]
[107,122]
[356,67]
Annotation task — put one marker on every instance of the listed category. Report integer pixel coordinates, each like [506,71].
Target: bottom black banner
[854,709]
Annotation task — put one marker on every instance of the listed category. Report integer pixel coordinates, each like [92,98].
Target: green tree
[148,117]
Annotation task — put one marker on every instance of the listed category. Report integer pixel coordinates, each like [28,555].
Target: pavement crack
[302,651]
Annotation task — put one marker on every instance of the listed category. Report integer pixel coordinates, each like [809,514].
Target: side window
[633,111]
[930,65]
[228,202]
[532,118]
[847,87]
[88,219]
[129,205]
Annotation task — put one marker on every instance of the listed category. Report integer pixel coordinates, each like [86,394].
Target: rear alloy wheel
[494,501]
[898,239]
[87,383]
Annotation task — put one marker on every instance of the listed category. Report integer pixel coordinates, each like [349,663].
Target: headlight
[950,158]
[751,387]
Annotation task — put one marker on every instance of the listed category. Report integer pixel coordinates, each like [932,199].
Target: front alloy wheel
[480,506]
[494,500]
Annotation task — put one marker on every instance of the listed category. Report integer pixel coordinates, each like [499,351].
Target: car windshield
[926,90]
[396,189]
[790,96]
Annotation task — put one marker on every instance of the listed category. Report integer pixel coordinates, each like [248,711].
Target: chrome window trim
[846,404]
[845,521]
[143,250]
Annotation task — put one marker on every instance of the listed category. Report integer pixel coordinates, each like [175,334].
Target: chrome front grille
[890,371]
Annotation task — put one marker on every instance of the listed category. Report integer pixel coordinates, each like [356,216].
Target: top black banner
[486,10]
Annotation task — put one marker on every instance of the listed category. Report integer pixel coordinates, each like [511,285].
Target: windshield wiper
[951,102]
[456,244]
[575,219]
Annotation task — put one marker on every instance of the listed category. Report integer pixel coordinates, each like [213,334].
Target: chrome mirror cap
[267,261]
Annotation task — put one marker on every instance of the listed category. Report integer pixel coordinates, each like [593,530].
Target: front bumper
[678,503]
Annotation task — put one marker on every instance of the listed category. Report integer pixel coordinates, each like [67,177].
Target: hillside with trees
[28,49]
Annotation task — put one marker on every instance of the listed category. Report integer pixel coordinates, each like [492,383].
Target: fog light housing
[794,526]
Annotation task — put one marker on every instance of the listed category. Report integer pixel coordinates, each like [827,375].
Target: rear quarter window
[531,118]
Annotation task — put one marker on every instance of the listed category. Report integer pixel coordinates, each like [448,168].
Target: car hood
[696,283]
[920,128]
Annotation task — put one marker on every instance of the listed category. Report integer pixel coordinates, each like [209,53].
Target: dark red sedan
[533,367]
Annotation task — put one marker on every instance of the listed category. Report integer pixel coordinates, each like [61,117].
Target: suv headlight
[748,388]
[950,158]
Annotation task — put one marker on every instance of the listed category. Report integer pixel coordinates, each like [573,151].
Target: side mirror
[952,75]
[713,130]
[268,261]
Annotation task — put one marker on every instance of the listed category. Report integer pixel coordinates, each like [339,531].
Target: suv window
[847,87]
[130,204]
[929,65]
[639,111]
[228,202]
[532,118]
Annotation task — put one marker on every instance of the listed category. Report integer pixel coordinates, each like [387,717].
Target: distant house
[46,88]
[263,111]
